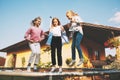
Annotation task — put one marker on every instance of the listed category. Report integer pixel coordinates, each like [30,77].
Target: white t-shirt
[56,31]
[75,26]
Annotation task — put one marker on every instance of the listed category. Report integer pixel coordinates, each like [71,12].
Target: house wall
[46,56]
[94,46]
[19,55]
[2,61]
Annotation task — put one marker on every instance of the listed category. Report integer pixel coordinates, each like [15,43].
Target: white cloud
[115,18]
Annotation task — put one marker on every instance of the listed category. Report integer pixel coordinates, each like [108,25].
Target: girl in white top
[77,35]
[56,44]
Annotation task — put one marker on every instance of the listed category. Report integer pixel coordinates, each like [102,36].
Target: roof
[99,33]
[95,32]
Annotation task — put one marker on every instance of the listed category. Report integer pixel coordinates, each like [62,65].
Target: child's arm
[62,28]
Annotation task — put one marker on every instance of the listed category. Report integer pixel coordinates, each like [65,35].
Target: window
[97,55]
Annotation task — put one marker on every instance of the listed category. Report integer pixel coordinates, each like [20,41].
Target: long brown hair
[57,20]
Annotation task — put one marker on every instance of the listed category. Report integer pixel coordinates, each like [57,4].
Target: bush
[115,64]
[68,60]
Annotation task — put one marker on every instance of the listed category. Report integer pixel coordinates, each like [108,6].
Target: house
[92,47]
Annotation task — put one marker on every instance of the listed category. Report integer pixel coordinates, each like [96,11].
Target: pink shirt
[35,34]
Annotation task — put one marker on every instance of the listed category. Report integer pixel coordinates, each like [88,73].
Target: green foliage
[115,43]
[115,64]
[44,65]
[112,43]
[109,59]
[68,60]
[23,61]
[47,50]
[10,61]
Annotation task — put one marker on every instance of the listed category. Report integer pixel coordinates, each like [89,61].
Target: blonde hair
[72,12]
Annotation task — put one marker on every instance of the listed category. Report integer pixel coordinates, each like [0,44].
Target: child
[56,43]
[77,35]
[34,36]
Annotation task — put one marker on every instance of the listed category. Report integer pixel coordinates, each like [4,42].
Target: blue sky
[16,15]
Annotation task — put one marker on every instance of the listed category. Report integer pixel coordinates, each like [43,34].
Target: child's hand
[31,41]
[46,34]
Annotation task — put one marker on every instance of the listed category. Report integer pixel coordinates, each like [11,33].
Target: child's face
[37,22]
[55,22]
[69,15]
